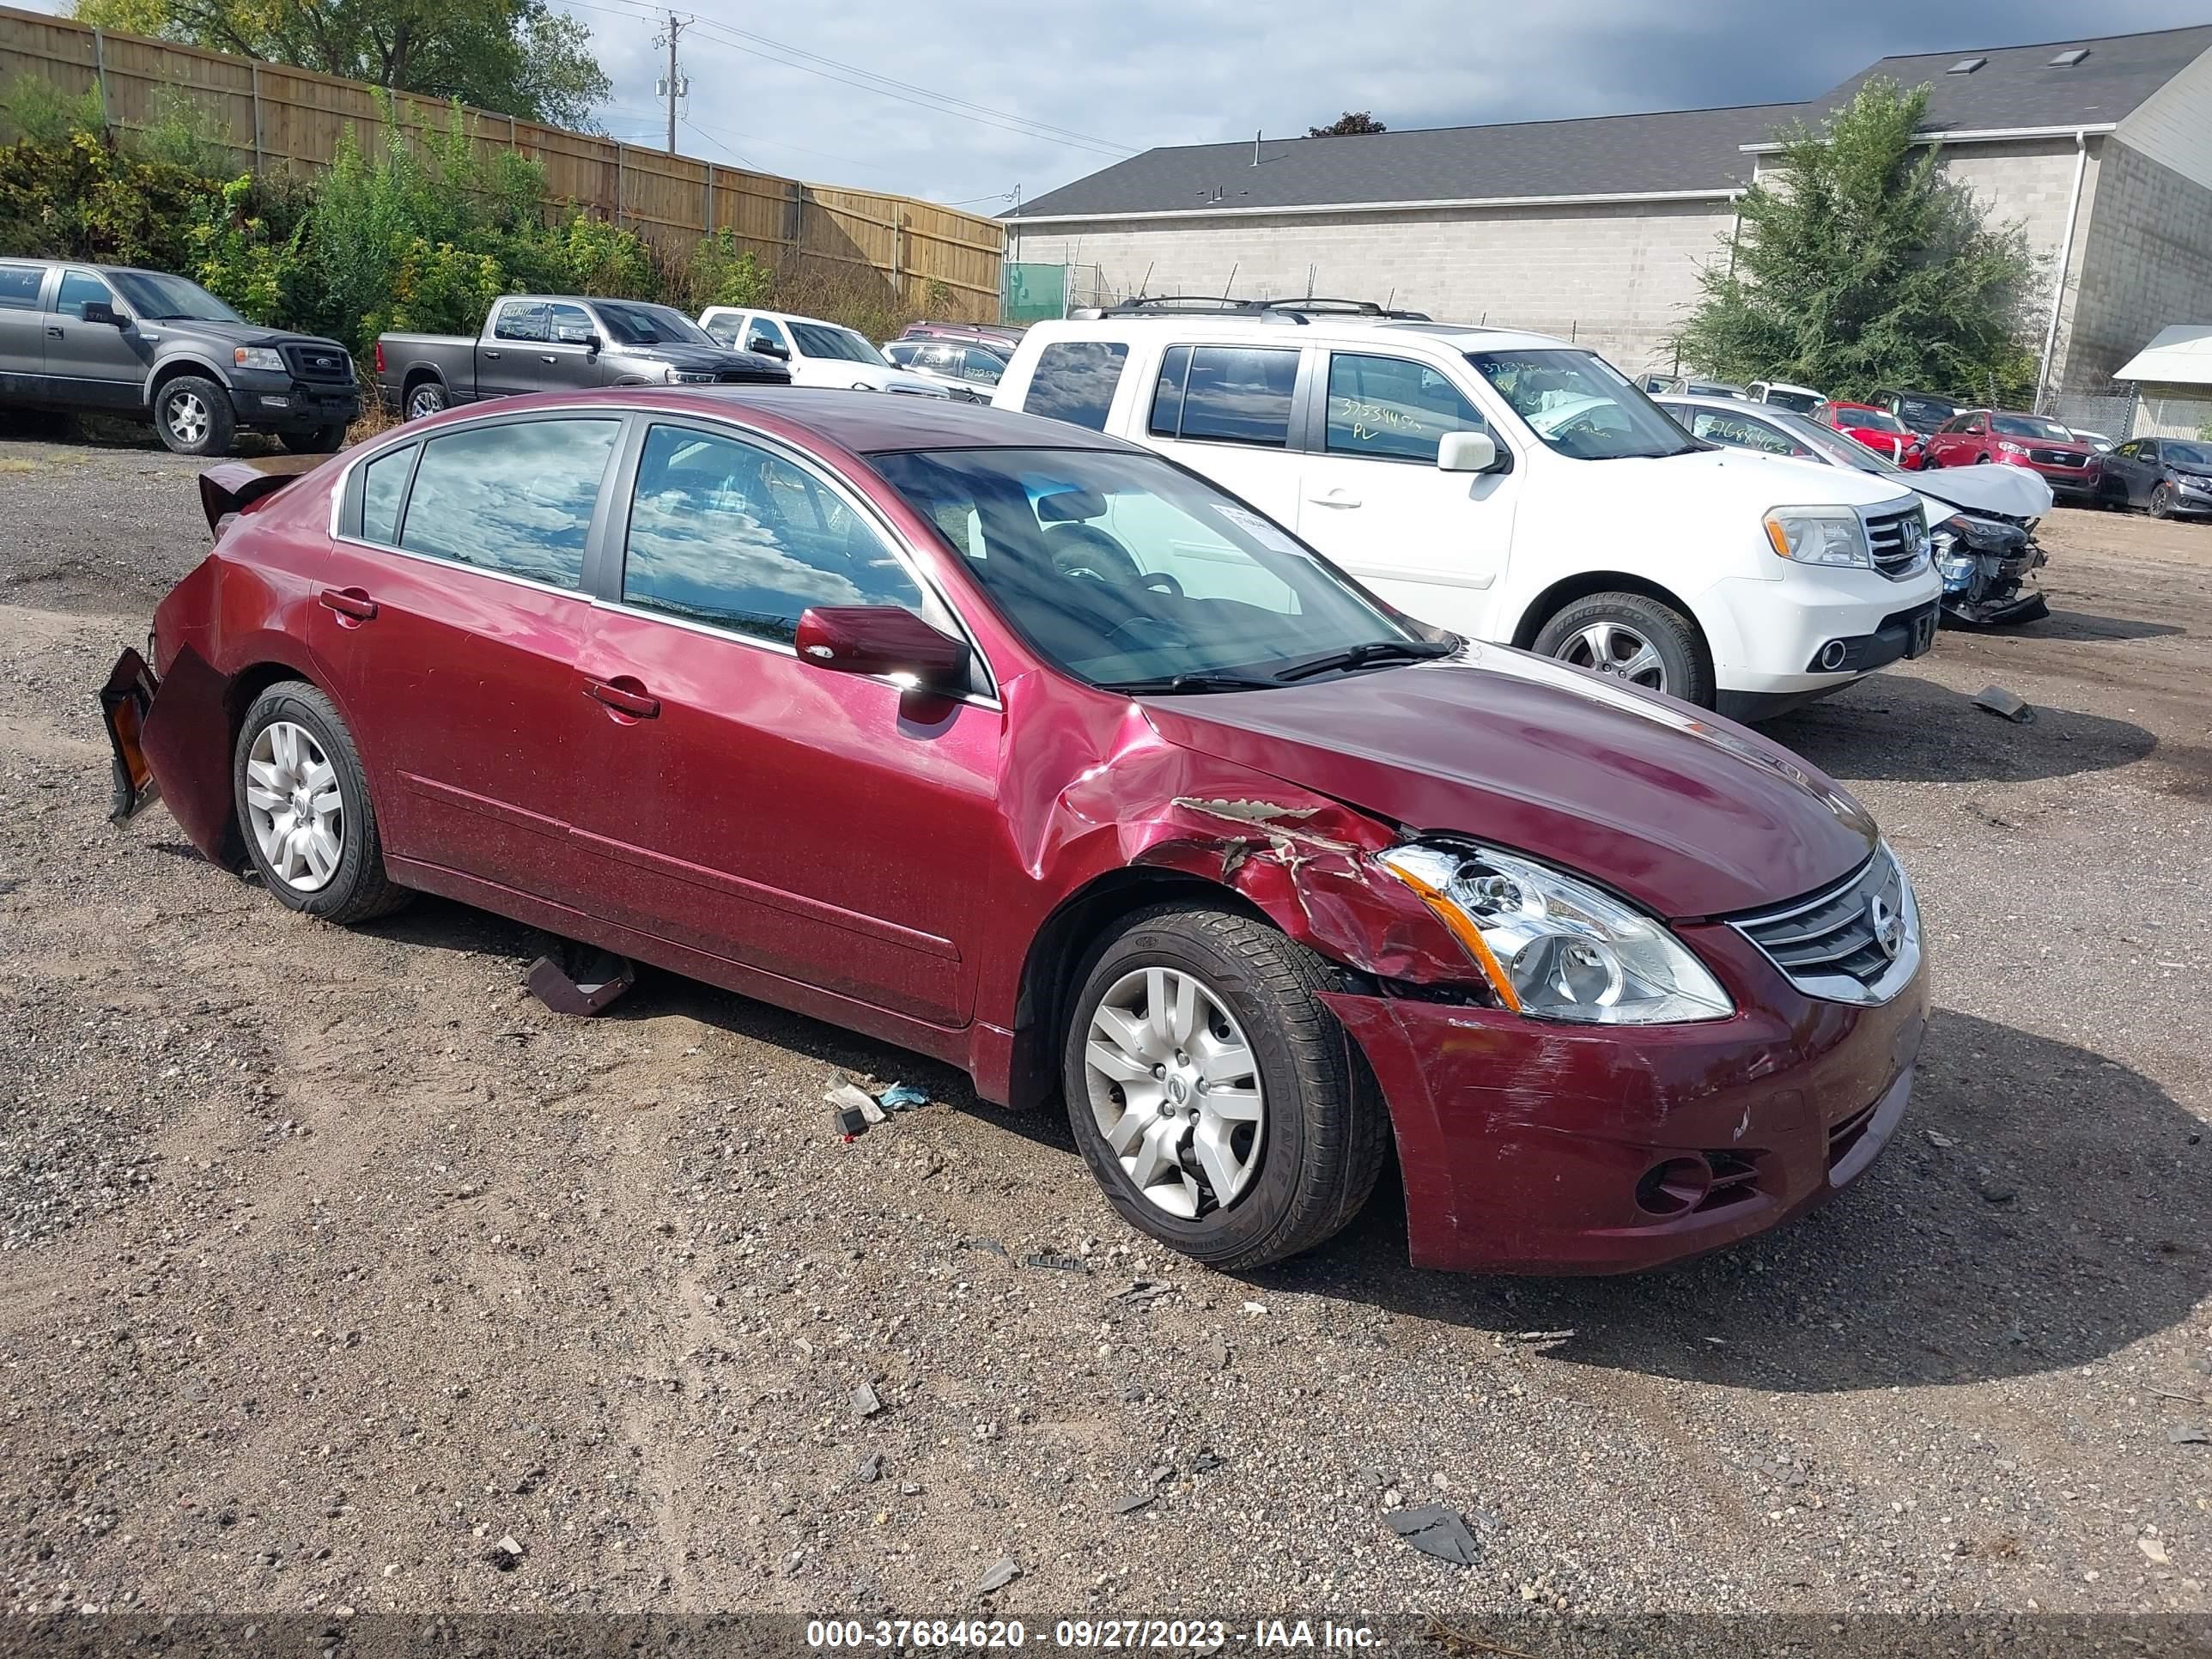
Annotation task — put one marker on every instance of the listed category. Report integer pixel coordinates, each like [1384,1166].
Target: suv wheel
[193,415]
[1213,1094]
[303,805]
[1632,637]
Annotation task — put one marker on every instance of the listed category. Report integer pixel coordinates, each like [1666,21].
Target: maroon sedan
[1022,747]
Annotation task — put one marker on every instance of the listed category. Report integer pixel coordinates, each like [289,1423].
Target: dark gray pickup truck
[560,343]
[109,340]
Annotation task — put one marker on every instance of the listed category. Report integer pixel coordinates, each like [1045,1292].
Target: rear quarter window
[1074,381]
[19,286]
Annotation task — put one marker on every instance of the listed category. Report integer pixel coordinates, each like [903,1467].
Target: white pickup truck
[1511,487]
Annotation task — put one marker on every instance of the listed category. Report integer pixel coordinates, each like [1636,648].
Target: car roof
[1871,409]
[1186,328]
[1791,385]
[1726,406]
[872,423]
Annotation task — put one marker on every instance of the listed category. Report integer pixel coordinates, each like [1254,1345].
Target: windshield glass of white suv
[1802,401]
[632,324]
[158,298]
[1128,573]
[2029,426]
[827,340]
[1580,405]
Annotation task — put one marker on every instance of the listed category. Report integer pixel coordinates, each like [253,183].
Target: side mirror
[1466,452]
[882,638]
[593,345]
[99,311]
[770,348]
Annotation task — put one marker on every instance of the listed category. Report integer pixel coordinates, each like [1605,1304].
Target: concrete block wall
[2147,264]
[1617,277]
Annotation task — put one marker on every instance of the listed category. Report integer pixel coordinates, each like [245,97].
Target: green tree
[1347,125]
[518,58]
[1859,262]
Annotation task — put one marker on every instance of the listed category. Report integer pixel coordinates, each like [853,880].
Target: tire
[424,399]
[294,729]
[1667,653]
[1314,1143]
[2162,499]
[322,441]
[192,415]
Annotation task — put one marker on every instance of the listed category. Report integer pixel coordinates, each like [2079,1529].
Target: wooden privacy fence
[291,119]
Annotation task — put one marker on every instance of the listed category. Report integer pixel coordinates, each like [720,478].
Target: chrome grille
[1858,941]
[1899,542]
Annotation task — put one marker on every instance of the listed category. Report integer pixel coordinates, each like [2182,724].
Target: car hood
[233,334]
[2011,492]
[678,355]
[882,380]
[1694,486]
[1688,814]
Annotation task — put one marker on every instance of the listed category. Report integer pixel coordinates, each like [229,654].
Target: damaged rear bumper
[125,700]
[1538,1147]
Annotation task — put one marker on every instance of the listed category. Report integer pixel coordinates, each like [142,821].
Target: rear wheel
[303,805]
[424,398]
[1212,1093]
[1632,637]
[193,415]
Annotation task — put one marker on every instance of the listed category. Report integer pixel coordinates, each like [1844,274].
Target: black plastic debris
[506,1555]
[1435,1531]
[2005,704]
[848,1121]
[1002,1573]
[1065,1264]
[1146,1290]
[1205,1462]
[578,979]
[865,1402]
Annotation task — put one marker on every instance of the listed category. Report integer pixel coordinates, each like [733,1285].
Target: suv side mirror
[1466,452]
[882,638]
[99,311]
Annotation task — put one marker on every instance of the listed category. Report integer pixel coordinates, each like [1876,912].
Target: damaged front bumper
[1988,589]
[1532,1147]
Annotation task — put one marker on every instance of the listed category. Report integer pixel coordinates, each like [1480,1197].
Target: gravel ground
[334,1261]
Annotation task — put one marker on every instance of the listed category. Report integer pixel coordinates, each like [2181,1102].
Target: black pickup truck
[109,340]
[560,343]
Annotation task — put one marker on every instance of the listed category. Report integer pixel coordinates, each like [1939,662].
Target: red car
[2069,467]
[1020,746]
[1879,430]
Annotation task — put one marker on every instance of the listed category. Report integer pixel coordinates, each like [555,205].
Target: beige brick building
[1596,230]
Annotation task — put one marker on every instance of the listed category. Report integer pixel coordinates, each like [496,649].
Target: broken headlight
[1554,947]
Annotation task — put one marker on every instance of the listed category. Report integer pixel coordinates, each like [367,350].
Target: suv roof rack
[1284,311]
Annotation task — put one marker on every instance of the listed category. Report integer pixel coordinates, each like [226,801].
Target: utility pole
[675,86]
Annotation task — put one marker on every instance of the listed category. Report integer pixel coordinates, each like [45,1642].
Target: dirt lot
[333,1259]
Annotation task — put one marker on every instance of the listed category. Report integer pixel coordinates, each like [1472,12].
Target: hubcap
[188,418]
[292,799]
[1616,649]
[1175,1092]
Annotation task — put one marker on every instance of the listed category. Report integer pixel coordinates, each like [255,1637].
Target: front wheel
[193,415]
[1213,1094]
[2161,502]
[320,440]
[1632,637]
[303,804]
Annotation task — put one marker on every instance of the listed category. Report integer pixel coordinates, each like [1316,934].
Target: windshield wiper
[1209,680]
[1369,655]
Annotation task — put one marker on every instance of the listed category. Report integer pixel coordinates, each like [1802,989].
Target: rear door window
[19,286]
[521,322]
[982,366]
[515,497]
[1074,381]
[1239,395]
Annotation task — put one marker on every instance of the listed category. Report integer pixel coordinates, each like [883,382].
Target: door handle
[53,333]
[491,354]
[549,358]
[1338,497]
[350,603]
[631,700]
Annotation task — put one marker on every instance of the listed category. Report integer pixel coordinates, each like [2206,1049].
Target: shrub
[721,274]
[38,112]
[185,134]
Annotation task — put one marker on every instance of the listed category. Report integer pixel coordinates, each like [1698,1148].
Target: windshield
[1129,573]
[2188,454]
[1926,413]
[1581,405]
[1802,401]
[828,340]
[2029,426]
[1868,420]
[632,324]
[161,298]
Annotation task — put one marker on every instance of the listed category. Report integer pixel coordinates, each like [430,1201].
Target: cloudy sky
[1050,90]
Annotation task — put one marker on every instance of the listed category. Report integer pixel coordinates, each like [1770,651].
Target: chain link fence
[2111,415]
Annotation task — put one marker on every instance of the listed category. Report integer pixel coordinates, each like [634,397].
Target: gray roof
[1697,150]
[2019,86]
[1677,150]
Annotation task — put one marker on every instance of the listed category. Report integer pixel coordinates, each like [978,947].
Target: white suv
[817,353]
[1511,487]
